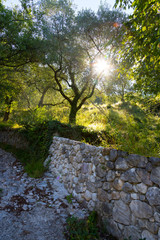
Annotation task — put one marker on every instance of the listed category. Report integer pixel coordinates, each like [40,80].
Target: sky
[80,4]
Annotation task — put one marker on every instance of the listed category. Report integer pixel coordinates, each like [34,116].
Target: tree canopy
[142,43]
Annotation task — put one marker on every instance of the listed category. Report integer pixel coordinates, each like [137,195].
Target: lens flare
[102,66]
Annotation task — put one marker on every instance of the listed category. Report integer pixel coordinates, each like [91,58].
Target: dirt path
[32,209]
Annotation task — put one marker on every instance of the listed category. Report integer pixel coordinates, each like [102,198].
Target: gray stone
[121,213]
[154,161]
[87,195]
[157,217]
[107,208]
[142,197]
[153,196]
[91,187]
[145,224]
[113,155]
[100,171]
[106,159]
[122,154]
[127,187]
[132,231]
[149,167]
[110,165]
[134,196]
[118,184]
[155,175]
[102,195]
[121,164]
[141,209]
[82,178]
[112,228]
[79,188]
[98,184]
[137,161]
[125,197]
[115,195]
[110,176]
[106,186]
[142,188]
[149,236]
[82,146]
[84,168]
[144,176]
[94,197]
[131,176]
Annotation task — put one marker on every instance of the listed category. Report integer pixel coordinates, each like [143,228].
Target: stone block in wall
[132,231]
[145,224]
[100,171]
[78,157]
[126,197]
[122,154]
[88,195]
[137,161]
[98,183]
[110,165]
[106,208]
[155,175]
[82,178]
[118,184]
[135,196]
[110,176]
[141,209]
[153,196]
[84,168]
[157,217]
[131,176]
[121,164]
[79,188]
[102,195]
[115,195]
[127,187]
[112,228]
[106,186]
[144,176]
[94,197]
[154,161]
[113,155]
[91,187]
[121,213]
[142,188]
[148,235]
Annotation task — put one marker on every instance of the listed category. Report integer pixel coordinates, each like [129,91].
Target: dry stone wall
[13,138]
[123,188]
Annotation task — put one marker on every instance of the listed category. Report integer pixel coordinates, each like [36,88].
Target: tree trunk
[72,115]
[8,102]
[40,104]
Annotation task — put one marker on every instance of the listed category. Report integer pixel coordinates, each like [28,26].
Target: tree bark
[72,115]
[8,102]
[40,104]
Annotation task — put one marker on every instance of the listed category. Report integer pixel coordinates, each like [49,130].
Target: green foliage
[142,43]
[69,198]
[85,229]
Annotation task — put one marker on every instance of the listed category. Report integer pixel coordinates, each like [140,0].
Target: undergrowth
[90,228]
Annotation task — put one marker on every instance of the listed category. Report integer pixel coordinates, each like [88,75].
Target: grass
[126,126]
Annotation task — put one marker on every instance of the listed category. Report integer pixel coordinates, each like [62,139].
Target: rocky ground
[32,209]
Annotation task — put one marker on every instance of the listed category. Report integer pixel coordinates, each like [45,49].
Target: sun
[102,66]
